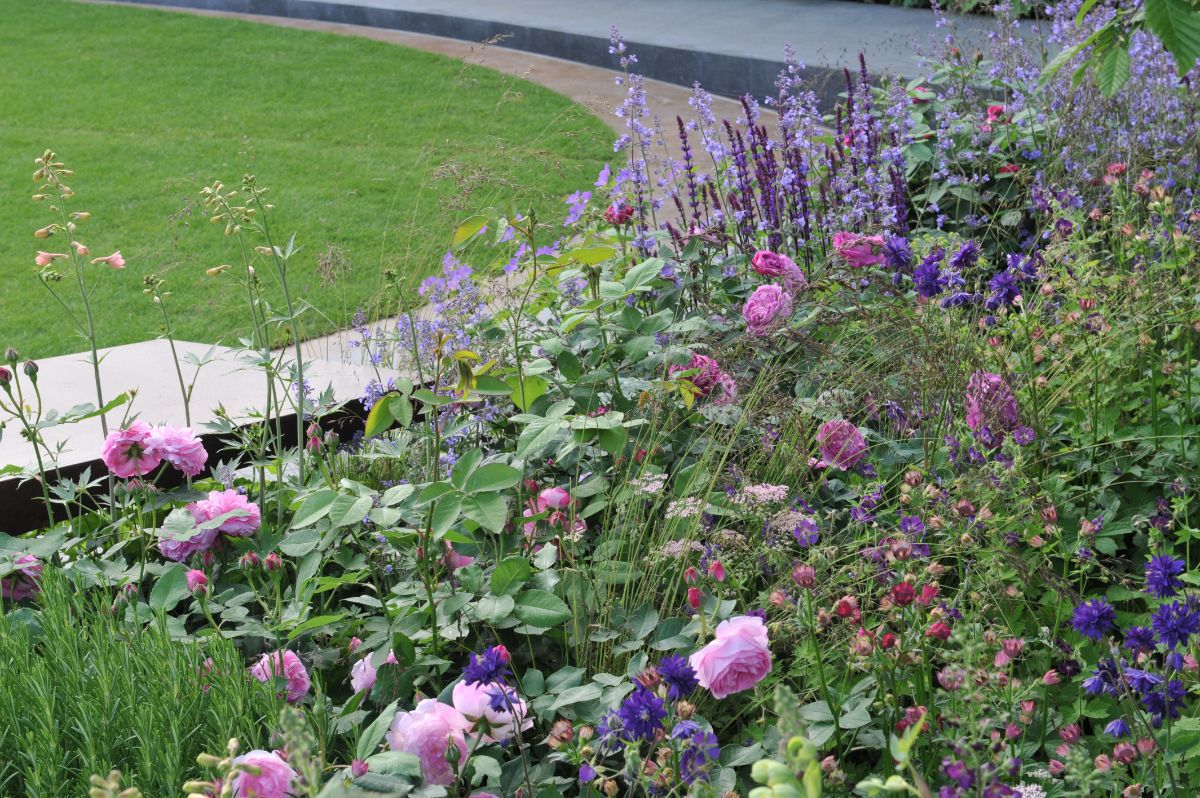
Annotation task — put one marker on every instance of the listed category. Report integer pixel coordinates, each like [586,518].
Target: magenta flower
[990,403]
[180,447]
[286,665]
[427,732]
[220,502]
[22,583]
[180,547]
[707,373]
[858,251]
[128,452]
[195,580]
[555,498]
[841,444]
[766,307]
[771,264]
[262,774]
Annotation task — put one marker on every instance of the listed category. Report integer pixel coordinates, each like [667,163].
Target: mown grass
[373,153]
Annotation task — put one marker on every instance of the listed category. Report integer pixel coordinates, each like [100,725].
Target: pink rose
[428,732]
[707,372]
[180,447]
[454,560]
[737,658]
[220,502]
[364,672]
[841,444]
[858,250]
[474,701]
[195,580]
[182,546]
[555,498]
[22,583]
[768,305]
[770,264]
[262,774]
[128,453]
[287,665]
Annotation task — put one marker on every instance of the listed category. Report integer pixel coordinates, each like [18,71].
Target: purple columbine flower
[1094,618]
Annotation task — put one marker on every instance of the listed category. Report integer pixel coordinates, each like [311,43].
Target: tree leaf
[489,510]
[1177,25]
[492,477]
[170,589]
[379,419]
[510,574]
[1113,69]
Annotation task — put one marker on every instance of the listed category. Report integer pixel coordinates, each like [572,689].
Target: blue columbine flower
[1141,680]
[489,668]
[1104,679]
[1094,618]
[642,714]
[678,674]
[928,277]
[966,257]
[1139,640]
[1165,703]
[1175,623]
[1117,728]
[701,750]
[1162,575]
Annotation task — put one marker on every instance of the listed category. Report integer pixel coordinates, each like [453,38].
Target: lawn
[374,151]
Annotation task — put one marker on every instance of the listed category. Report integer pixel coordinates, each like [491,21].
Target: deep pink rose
[707,372]
[364,672]
[737,658]
[428,732]
[262,774]
[473,700]
[858,251]
[287,665]
[22,583]
[195,579]
[454,560]
[767,306]
[128,453]
[180,447]
[771,264]
[220,502]
[841,444]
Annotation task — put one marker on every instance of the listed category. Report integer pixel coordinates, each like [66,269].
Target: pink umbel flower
[768,306]
[22,583]
[113,261]
[128,452]
[220,502]
[180,447]
[841,444]
[858,251]
[287,665]
[262,774]
[474,701]
[427,732]
[737,659]
[364,673]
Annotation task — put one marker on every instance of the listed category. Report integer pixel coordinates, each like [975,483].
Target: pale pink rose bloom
[768,305]
[555,498]
[454,560]
[182,547]
[472,700]
[180,447]
[364,672]
[428,732]
[736,660]
[287,665]
[22,583]
[272,777]
[858,250]
[46,258]
[220,502]
[128,453]
[841,443]
[113,261]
